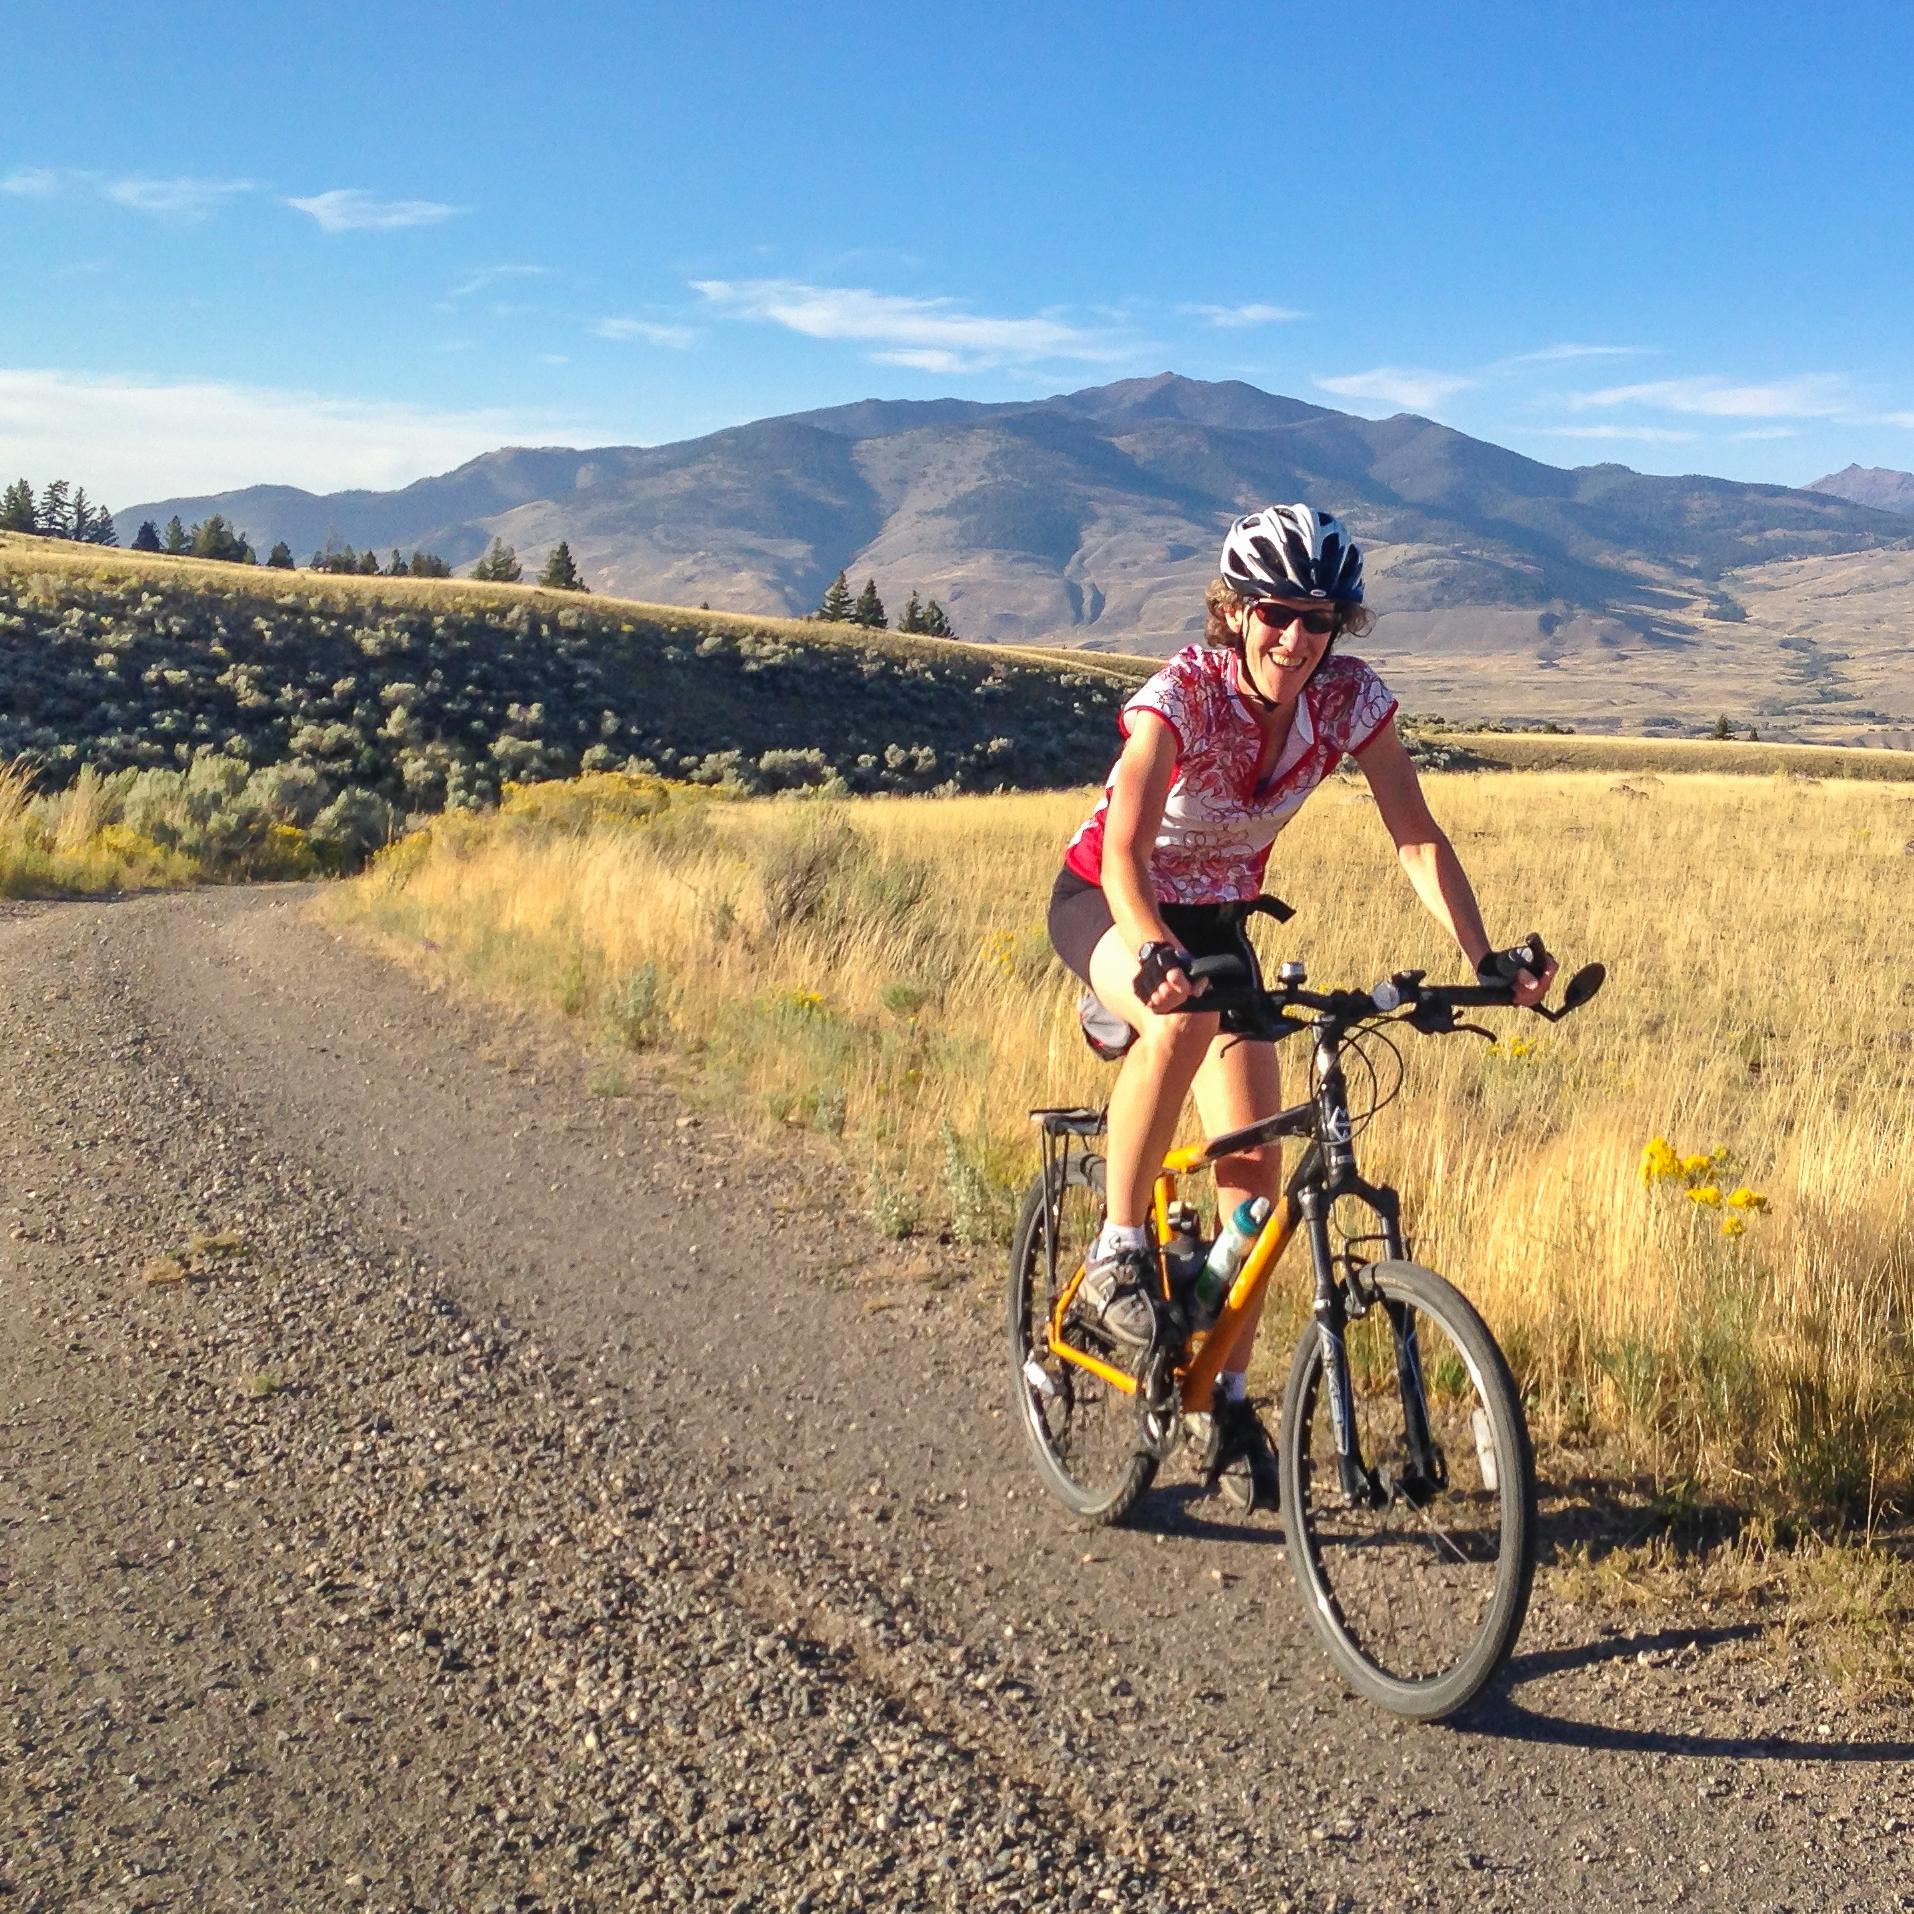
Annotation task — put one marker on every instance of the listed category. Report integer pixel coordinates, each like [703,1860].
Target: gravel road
[425,1483]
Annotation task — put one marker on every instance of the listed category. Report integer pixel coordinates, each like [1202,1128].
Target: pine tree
[92,524]
[147,538]
[429,565]
[1723,728]
[56,510]
[217,539]
[16,508]
[176,536]
[835,607]
[499,566]
[368,563]
[936,623]
[869,609]
[913,618]
[395,565]
[560,574]
[279,559]
[79,514]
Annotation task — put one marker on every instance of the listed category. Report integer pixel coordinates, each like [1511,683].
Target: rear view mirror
[1583,985]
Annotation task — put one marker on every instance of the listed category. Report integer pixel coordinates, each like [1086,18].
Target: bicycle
[1407,1476]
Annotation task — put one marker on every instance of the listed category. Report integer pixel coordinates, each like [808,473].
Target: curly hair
[1218,598]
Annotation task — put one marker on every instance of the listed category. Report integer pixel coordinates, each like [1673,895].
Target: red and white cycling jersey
[1219,823]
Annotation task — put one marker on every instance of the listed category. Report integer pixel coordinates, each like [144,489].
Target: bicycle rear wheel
[1084,1433]
[1418,1587]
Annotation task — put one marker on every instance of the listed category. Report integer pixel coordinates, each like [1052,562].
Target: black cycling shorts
[1080,914]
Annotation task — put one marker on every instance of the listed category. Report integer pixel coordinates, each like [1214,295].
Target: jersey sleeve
[1175,695]
[1360,706]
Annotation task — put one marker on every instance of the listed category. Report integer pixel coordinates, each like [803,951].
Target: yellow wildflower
[1708,1193]
[998,948]
[1693,1166]
[1659,1160]
[1733,1225]
[1746,1199]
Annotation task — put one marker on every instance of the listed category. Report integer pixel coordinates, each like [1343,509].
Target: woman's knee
[1185,1035]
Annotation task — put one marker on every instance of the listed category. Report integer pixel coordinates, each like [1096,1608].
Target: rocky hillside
[1094,518]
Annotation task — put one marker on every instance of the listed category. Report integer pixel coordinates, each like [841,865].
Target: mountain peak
[1877,485]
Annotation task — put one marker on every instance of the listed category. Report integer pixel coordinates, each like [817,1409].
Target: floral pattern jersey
[1219,823]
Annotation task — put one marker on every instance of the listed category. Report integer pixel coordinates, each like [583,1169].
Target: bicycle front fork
[1362,1484]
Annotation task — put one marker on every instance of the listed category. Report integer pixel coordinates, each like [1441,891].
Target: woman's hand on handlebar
[1517,971]
[1531,989]
[1164,980]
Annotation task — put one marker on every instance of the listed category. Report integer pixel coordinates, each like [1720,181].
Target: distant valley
[1507,588]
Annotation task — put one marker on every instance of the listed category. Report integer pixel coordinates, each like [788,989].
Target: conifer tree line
[500,566]
[62,510]
[838,607]
[343,560]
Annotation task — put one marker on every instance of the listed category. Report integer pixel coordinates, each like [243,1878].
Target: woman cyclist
[1221,748]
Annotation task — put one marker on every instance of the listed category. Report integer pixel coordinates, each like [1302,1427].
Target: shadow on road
[1501,1716]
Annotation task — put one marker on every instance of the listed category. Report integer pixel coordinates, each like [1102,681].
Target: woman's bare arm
[1139,789]
[1428,858]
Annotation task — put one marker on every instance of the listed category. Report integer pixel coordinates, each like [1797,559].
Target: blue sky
[356,247]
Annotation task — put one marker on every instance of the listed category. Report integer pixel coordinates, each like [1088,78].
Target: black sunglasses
[1319,624]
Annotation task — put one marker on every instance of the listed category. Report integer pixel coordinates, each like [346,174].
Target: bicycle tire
[1420,1600]
[1083,1434]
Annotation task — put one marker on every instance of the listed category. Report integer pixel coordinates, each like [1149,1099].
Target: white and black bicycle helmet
[1292,551]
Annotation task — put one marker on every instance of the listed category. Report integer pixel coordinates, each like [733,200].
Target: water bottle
[1218,1274]
[1183,1249]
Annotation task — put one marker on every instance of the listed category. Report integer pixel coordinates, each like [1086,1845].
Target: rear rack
[1075,1122]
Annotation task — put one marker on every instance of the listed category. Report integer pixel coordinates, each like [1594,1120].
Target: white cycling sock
[1232,1386]
[1120,1236]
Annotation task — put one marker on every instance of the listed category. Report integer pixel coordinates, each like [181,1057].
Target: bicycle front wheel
[1084,1434]
[1417,1583]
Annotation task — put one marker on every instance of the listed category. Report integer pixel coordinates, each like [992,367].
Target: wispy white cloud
[1557,355]
[651,331]
[927,359]
[1251,315]
[495,276]
[1767,432]
[1413,388]
[31,182]
[892,323]
[1636,434]
[346,209]
[134,439]
[179,198]
[1812,396]
[555,358]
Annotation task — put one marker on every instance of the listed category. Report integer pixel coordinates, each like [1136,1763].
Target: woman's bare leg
[1238,1083]
[1147,1099]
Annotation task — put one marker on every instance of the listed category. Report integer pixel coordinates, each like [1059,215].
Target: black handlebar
[1250,1008]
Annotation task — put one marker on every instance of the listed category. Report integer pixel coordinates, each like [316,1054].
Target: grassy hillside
[1541,751]
[429,694]
[1729,1304]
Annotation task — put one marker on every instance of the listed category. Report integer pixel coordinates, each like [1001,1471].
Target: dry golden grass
[66,845]
[879,971]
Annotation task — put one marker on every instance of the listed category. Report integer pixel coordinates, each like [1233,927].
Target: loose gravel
[427,1484]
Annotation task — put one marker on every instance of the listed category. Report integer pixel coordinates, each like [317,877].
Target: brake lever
[1474,1030]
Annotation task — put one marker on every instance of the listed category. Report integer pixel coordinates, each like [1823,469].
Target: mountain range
[1093,518]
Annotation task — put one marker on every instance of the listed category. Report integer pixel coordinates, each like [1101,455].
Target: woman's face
[1279,649]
